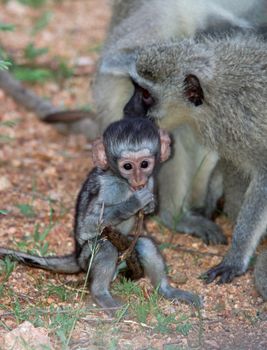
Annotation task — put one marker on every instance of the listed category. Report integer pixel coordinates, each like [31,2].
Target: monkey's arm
[250,227]
[90,205]
[114,214]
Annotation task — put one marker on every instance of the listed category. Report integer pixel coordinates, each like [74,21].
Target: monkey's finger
[227,276]
[217,236]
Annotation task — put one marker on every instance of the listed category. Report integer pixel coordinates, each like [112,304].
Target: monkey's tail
[74,121]
[25,96]
[62,264]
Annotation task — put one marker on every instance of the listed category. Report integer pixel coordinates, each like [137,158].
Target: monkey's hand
[150,207]
[227,270]
[144,198]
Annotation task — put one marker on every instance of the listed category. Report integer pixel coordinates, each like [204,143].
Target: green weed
[63,71]
[62,324]
[4,212]
[142,307]
[4,138]
[172,347]
[26,210]
[31,52]
[6,27]
[33,3]
[32,75]
[6,267]
[4,65]
[42,22]
[127,288]
[36,243]
[61,292]
[10,123]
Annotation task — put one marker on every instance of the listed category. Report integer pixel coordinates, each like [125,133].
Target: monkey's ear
[165,145]
[99,154]
[119,64]
[193,90]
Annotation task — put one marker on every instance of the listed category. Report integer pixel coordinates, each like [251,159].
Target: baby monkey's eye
[144,164]
[127,166]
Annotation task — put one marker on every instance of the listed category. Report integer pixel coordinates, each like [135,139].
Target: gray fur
[261,275]
[231,118]
[62,264]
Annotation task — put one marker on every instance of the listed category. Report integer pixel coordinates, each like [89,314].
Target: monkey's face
[158,103]
[136,167]
[167,82]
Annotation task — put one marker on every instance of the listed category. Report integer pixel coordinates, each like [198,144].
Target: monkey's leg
[155,269]
[261,274]
[199,226]
[101,275]
[183,185]
[235,185]
[122,242]
[250,227]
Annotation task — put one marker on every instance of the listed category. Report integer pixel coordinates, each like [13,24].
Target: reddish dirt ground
[43,170]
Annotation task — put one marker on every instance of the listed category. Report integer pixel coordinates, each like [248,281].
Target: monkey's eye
[144,164]
[147,98]
[146,94]
[127,166]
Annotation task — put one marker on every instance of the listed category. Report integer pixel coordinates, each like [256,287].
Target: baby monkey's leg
[155,269]
[101,275]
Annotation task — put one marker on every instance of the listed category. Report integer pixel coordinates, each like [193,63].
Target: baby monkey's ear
[99,154]
[165,145]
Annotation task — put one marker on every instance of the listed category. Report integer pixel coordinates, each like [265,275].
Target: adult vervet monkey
[183,180]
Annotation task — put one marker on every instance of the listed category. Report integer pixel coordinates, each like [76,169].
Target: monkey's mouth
[136,188]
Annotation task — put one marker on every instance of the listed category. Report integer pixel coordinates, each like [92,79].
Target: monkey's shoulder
[92,184]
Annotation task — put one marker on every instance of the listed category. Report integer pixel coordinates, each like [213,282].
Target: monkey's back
[235,106]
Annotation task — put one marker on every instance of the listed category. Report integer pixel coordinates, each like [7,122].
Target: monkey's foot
[108,303]
[181,295]
[201,227]
[226,271]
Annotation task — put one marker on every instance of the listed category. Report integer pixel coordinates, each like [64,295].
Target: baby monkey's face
[136,167]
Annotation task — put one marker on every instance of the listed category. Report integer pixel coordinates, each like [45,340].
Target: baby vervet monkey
[122,183]
[219,87]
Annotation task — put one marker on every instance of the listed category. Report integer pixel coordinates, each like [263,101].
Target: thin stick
[137,233]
